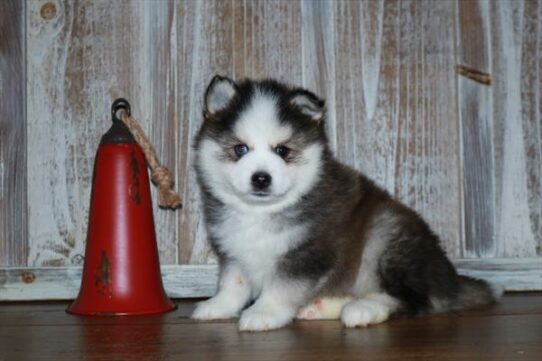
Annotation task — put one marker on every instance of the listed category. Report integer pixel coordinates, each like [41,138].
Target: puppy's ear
[219,94]
[308,104]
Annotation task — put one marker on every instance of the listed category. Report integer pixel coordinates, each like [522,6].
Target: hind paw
[325,308]
[313,311]
[373,309]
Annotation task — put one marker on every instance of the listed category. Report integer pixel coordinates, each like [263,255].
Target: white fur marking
[233,294]
[325,308]
[275,307]
[372,309]
[256,242]
[259,125]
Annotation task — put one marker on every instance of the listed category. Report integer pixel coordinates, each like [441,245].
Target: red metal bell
[121,273]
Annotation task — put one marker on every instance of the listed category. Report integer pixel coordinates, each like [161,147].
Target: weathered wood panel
[475,116]
[318,30]
[13,216]
[516,64]
[157,68]
[501,127]
[204,48]
[267,40]
[57,283]
[386,69]
[417,101]
[81,56]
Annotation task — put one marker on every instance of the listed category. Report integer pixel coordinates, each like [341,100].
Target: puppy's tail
[475,292]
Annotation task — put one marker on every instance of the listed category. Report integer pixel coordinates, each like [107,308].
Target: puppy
[298,233]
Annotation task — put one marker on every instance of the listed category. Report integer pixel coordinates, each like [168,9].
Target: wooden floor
[509,331]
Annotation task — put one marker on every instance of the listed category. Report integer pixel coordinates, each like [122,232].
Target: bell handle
[119,104]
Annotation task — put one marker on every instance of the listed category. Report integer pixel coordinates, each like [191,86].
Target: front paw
[264,319]
[213,309]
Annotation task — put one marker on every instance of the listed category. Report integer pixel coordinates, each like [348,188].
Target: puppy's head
[261,143]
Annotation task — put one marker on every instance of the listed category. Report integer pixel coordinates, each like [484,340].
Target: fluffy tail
[474,292]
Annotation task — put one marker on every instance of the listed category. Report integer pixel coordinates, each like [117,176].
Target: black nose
[261,180]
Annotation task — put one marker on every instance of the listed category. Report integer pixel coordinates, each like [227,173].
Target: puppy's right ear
[219,94]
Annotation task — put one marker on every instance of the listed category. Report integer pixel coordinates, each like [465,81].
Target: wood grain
[318,29]
[516,35]
[204,48]
[267,40]
[37,332]
[393,112]
[501,127]
[157,54]
[475,118]
[13,212]
[54,283]
[80,58]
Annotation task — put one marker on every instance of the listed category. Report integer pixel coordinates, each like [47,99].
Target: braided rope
[160,175]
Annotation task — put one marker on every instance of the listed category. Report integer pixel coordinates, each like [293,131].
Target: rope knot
[160,175]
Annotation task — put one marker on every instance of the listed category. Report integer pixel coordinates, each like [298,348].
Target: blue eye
[240,150]
[282,151]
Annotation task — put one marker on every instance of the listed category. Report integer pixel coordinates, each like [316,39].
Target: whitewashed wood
[57,283]
[514,274]
[13,216]
[502,152]
[79,60]
[318,29]
[394,105]
[475,117]
[157,101]
[516,63]
[267,40]
[204,48]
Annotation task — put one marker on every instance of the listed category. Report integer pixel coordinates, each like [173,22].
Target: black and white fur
[298,233]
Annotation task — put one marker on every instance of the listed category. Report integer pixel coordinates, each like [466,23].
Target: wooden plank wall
[467,156]
[82,55]
[13,216]
[387,69]
[501,128]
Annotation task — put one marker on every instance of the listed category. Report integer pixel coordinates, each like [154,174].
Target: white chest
[256,242]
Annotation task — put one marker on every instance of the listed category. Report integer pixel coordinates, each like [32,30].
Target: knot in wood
[28,277]
[48,11]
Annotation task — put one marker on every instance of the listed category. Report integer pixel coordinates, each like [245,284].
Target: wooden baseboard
[515,274]
[60,283]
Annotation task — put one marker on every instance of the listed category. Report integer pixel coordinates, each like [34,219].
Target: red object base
[121,274]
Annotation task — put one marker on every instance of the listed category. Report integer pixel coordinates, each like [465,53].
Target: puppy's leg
[371,309]
[323,308]
[233,294]
[276,306]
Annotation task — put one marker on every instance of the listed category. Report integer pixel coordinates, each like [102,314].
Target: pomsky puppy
[299,234]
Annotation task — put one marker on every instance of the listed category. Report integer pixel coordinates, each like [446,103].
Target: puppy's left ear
[308,104]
